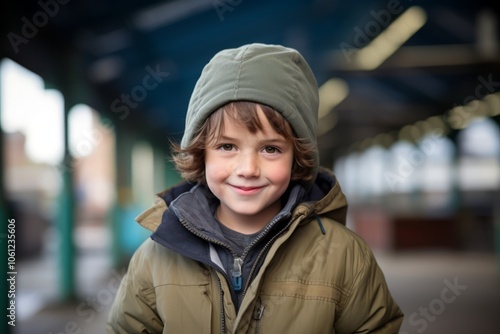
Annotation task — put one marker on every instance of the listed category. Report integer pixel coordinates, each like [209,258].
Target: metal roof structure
[138,61]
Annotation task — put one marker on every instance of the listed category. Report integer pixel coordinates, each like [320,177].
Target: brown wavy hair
[190,161]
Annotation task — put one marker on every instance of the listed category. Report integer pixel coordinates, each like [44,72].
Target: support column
[66,220]
[123,192]
[73,90]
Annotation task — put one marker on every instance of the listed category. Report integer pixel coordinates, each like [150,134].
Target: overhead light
[410,133]
[459,117]
[331,93]
[383,139]
[437,125]
[327,123]
[391,39]
[167,13]
[493,101]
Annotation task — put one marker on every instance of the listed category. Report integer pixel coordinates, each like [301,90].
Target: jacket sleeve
[134,308]
[370,307]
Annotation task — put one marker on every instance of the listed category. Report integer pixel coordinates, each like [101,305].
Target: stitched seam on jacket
[356,279]
[311,282]
[181,285]
[329,293]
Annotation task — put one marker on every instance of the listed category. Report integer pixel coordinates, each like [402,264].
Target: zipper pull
[237,273]
[259,312]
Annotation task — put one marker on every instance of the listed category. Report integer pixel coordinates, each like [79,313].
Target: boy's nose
[248,165]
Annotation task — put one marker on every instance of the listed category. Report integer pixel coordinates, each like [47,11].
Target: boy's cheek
[279,174]
[217,171]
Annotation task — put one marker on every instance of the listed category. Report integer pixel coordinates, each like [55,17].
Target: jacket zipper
[264,251]
[237,273]
[259,313]
[222,311]
[217,242]
[238,262]
[204,237]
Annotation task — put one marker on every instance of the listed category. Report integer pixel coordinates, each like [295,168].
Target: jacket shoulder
[335,250]
[155,265]
[367,301]
[337,236]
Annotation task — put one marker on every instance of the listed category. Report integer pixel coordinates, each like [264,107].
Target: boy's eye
[226,147]
[271,149]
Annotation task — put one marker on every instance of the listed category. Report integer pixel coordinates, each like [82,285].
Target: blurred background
[91,93]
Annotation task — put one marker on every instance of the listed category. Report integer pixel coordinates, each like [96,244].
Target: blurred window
[143,173]
[371,174]
[82,139]
[347,171]
[403,164]
[479,160]
[437,169]
[28,108]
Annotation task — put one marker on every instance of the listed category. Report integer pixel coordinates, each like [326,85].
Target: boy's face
[248,173]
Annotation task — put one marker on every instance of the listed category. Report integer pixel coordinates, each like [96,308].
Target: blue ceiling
[104,49]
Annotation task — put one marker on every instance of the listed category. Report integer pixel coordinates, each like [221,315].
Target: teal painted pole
[123,192]
[65,221]
[73,91]
[116,246]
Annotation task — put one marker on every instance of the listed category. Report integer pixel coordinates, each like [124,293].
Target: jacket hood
[325,198]
[273,75]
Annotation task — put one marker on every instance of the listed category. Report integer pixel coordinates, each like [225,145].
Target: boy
[254,241]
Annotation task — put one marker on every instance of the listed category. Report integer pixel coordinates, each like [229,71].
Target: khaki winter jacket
[316,277]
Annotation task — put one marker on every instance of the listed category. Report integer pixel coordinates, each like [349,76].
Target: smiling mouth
[247,190]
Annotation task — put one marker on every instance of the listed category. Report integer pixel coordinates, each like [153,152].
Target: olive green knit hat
[273,75]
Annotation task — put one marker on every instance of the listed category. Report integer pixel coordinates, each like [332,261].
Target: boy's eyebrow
[224,138]
[276,139]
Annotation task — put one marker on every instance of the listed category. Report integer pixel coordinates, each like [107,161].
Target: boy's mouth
[246,189]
